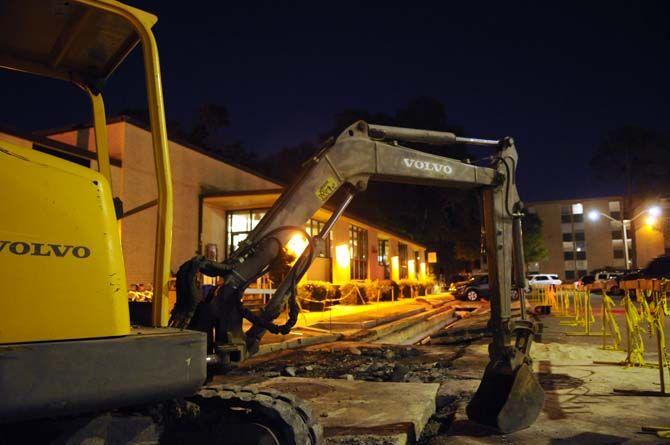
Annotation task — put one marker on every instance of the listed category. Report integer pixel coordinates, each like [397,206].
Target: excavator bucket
[507,399]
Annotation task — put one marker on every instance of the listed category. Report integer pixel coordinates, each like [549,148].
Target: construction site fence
[644,305]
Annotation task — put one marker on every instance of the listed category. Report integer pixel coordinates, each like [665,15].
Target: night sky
[555,76]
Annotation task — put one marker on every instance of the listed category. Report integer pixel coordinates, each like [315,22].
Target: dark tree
[533,242]
[635,157]
[206,131]
[446,220]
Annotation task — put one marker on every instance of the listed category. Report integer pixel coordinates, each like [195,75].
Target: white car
[543,279]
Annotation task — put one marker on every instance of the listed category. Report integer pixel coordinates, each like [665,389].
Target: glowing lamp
[297,244]
[395,268]
[651,220]
[411,269]
[654,212]
[594,215]
[342,256]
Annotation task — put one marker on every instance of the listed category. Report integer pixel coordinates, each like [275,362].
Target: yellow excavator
[74,371]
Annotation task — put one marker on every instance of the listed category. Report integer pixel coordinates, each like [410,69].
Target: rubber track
[284,412]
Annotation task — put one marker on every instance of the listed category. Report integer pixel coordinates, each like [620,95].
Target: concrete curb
[368,323]
[389,328]
[297,343]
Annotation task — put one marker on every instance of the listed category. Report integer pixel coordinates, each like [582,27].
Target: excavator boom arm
[363,152]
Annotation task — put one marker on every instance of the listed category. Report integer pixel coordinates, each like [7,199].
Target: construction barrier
[652,296]
[610,325]
[647,317]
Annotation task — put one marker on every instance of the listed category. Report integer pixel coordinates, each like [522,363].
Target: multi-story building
[576,244]
[217,204]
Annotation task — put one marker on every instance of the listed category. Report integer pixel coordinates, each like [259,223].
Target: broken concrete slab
[363,408]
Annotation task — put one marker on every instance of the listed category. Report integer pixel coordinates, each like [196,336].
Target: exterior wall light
[297,244]
[341,271]
[395,268]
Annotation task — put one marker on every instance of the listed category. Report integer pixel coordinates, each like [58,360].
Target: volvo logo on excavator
[428,166]
[41,249]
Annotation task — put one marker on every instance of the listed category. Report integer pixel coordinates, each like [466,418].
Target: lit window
[313,228]
[615,206]
[402,253]
[358,252]
[383,253]
[239,224]
[577,209]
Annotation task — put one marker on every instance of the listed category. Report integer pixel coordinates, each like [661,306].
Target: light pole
[653,212]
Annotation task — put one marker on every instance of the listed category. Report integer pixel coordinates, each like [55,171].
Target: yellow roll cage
[83,42]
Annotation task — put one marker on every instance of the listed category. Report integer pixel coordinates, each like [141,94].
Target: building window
[581,255]
[565,218]
[618,253]
[402,256]
[615,209]
[358,252]
[567,237]
[568,255]
[580,246]
[578,218]
[569,274]
[383,254]
[577,209]
[579,236]
[582,272]
[313,228]
[383,249]
[614,206]
[238,226]
[617,234]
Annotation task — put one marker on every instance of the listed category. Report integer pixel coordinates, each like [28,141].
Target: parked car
[457,280]
[585,280]
[477,287]
[606,280]
[542,279]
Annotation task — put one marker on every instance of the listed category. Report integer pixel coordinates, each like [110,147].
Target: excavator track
[242,415]
[217,414]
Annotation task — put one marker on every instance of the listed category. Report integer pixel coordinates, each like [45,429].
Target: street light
[653,212]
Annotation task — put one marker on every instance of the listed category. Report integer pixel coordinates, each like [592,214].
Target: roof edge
[142,125]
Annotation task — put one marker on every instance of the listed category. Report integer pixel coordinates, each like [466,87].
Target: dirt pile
[376,363]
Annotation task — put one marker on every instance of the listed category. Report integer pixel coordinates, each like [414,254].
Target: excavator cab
[66,344]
